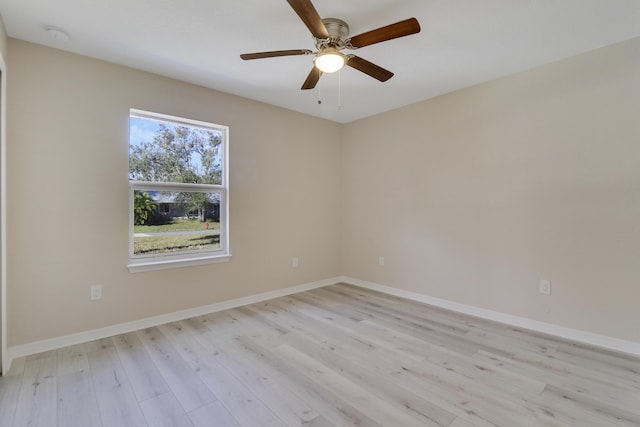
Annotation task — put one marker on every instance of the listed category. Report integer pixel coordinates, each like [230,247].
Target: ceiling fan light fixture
[330,60]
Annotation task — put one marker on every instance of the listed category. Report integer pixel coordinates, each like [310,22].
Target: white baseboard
[615,344]
[603,341]
[35,347]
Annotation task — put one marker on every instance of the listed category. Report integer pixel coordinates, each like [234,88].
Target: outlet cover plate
[96,292]
[545,287]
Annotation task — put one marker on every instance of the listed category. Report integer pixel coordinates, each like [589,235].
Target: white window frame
[140,263]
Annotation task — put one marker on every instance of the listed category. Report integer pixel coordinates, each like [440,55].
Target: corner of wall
[3,215]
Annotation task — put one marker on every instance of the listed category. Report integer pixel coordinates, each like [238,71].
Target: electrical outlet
[544,287]
[381,261]
[96,292]
[295,262]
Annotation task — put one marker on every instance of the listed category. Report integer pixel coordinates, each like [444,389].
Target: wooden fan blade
[310,17]
[393,31]
[272,54]
[312,79]
[369,68]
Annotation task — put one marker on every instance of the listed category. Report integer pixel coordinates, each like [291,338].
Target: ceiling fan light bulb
[330,61]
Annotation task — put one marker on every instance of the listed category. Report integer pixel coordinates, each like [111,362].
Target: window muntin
[178,190]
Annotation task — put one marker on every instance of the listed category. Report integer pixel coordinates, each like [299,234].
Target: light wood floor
[335,356]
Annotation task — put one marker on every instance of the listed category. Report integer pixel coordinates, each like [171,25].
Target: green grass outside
[176,225]
[165,244]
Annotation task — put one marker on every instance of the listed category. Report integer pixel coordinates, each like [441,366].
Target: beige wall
[68,195]
[3,52]
[3,39]
[475,196]
[471,197]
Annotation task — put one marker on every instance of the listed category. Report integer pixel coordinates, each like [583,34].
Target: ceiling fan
[332,36]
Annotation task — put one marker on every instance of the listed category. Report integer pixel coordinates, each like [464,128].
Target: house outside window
[178,192]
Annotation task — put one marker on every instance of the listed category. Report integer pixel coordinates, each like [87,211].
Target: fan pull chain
[340,90]
[319,96]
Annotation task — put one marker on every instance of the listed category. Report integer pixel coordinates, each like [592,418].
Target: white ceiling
[462,43]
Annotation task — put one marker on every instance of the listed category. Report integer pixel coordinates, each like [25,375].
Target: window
[178,192]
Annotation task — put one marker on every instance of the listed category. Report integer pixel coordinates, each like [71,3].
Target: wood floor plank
[190,391]
[240,401]
[332,407]
[370,358]
[77,402]
[558,374]
[319,421]
[72,359]
[469,400]
[327,351]
[538,385]
[438,319]
[164,411]
[601,412]
[9,393]
[351,367]
[483,373]
[145,379]
[334,356]
[599,365]
[381,410]
[279,399]
[300,322]
[247,408]
[100,344]
[416,325]
[116,399]
[269,333]
[37,401]
[459,422]
[213,414]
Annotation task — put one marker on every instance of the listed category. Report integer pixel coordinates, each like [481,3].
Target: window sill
[141,266]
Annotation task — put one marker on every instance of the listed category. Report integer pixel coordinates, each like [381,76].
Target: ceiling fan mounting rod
[337,28]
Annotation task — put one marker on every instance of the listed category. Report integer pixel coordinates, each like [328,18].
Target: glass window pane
[165,151]
[167,222]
